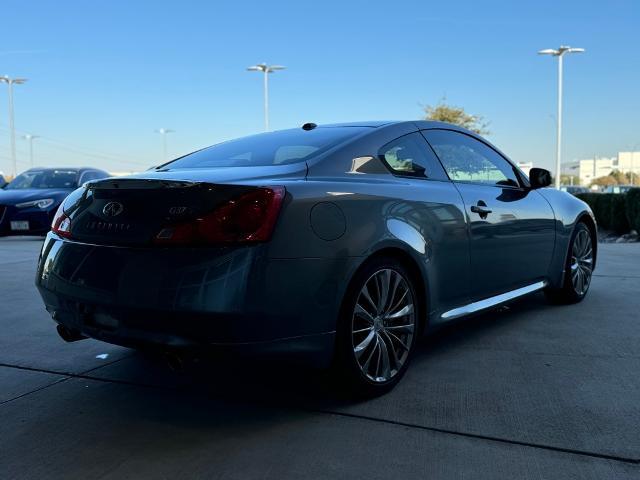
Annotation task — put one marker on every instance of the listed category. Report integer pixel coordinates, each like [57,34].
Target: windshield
[274,148]
[44,179]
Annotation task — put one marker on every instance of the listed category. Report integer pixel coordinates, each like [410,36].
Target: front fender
[568,211]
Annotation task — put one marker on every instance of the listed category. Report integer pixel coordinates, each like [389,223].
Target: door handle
[480,209]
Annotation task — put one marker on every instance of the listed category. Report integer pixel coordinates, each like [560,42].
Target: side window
[468,160]
[410,155]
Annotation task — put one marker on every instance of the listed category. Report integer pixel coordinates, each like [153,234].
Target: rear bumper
[234,298]
[189,336]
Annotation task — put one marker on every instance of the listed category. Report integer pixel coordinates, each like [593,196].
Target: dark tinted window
[274,148]
[45,179]
[410,155]
[468,160]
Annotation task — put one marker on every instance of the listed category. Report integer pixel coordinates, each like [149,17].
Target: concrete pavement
[535,391]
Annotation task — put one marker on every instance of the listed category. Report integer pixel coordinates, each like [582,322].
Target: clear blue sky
[103,75]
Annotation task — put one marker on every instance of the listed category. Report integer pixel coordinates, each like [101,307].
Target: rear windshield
[44,179]
[273,148]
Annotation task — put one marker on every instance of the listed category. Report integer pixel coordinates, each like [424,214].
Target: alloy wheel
[581,262]
[383,325]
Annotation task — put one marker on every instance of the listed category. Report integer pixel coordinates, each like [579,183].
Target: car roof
[419,124]
[371,124]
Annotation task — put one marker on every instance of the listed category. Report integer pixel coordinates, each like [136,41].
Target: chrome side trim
[492,301]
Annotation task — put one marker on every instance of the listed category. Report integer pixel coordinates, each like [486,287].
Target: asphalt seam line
[60,380]
[476,436]
[490,438]
[67,376]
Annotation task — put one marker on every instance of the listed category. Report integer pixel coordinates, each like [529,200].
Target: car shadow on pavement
[284,383]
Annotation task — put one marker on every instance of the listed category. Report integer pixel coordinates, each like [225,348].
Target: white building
[589,169]
[571,168]
[629,162]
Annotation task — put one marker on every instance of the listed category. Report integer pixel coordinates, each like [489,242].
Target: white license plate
[23,225]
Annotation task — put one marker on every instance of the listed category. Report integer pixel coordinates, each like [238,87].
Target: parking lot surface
[531,391]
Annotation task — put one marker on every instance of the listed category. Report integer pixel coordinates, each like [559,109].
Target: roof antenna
[309,126]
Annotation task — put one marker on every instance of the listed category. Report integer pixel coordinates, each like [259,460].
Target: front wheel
[377,329]
[578,268]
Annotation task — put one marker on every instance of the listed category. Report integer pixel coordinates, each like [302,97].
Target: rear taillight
[61,223]
[249,218]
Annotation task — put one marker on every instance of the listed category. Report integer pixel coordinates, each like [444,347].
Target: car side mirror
[3,182]
[539,178]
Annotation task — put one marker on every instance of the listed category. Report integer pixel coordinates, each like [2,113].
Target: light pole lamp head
[260,67]
[273,68]
[560,51]
[9,80]
[263,67]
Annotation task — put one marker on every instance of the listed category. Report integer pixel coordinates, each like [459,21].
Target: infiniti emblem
[113,209]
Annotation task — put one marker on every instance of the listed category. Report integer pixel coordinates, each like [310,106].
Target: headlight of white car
[42,203]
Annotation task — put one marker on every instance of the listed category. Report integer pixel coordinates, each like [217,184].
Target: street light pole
[559,131]
[12,129]
[163,132]
[560,52]
[30,139]
[266,101]
[266,70]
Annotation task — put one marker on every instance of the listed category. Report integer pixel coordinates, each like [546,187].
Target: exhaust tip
[69,335]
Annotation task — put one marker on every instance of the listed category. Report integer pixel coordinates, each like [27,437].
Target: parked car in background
[29,202]
[618,188]
[574,189]
[339,242]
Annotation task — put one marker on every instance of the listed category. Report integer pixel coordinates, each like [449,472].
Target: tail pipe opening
[69,335]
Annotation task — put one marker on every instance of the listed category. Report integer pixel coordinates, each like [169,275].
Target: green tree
[456,115]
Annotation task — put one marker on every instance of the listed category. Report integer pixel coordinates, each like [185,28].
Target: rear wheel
[578,268]
[377,330]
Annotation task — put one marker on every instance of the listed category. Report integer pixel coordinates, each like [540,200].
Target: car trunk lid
[132,211]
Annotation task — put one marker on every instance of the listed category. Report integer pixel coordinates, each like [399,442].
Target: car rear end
[175,264]
[212,249]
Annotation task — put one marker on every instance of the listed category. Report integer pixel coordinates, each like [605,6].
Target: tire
[578,268]
[376,337]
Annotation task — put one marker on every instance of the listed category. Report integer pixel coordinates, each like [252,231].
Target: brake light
[61,223]
[249,218]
